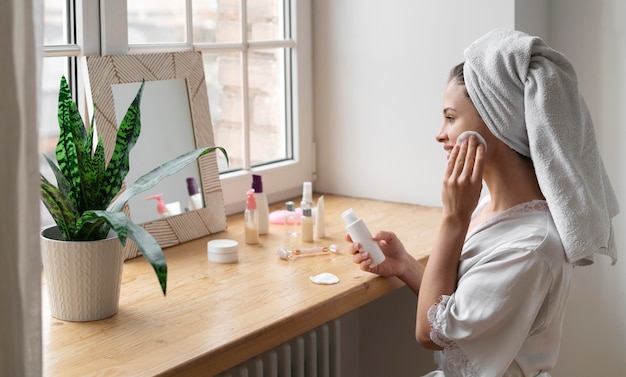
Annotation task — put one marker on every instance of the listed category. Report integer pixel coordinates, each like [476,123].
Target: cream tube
[320,219]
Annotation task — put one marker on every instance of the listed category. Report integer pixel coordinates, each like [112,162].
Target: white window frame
[281,180]
[87,42]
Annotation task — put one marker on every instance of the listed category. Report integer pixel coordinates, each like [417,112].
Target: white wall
[593,35]
[379,77]
[380,69]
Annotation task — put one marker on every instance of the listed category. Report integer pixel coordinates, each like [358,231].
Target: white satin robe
[506,316]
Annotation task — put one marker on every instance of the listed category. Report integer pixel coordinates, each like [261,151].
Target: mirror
[166,121]
[174,106]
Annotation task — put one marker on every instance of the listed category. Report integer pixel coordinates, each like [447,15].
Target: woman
[492,296]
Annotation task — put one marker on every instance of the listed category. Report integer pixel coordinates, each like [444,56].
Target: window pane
[52,70]
[223,78]
[216,21]
[156,21]
[55,22]
[265,20]
[269,137]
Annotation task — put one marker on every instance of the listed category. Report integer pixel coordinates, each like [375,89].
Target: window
[257,57]
[59,60]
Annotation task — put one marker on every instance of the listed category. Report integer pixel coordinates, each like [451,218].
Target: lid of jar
[222,246]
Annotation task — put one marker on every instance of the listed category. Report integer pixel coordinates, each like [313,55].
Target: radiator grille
[314,354]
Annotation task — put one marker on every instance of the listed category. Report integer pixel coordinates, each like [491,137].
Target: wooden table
[217,315]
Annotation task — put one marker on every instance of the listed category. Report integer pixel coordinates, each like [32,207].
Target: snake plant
[83,204]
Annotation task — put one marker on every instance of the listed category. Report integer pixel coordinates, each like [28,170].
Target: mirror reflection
[166,132]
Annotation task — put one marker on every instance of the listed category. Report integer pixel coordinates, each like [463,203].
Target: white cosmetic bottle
[358,231]
[307,195]
[195,198]
[261,204]
[320,218]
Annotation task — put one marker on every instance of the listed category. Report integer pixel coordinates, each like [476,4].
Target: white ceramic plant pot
[83,277]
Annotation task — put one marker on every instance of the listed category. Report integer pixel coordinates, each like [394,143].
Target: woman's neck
[511,181]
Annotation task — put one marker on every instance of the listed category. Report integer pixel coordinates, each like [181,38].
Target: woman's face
[459,115]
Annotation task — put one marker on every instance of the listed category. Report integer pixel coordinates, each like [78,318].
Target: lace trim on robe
[537,205]
[454,362]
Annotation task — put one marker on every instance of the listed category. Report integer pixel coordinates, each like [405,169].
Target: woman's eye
[449,118]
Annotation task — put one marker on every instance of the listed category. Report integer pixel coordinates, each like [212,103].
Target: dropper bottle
[251,219]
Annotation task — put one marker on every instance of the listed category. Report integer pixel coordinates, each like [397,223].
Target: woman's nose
[441,136]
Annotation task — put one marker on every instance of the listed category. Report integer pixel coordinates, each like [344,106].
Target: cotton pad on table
[324,278]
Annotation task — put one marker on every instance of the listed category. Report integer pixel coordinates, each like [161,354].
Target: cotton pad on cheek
[467,134]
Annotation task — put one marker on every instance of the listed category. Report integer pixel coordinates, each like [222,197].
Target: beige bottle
[251,220]
[307,225]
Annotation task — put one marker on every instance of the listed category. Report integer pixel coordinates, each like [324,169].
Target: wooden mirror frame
[105,71]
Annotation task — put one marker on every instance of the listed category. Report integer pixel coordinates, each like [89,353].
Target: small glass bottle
[291,232]
[307,225]
[251,219]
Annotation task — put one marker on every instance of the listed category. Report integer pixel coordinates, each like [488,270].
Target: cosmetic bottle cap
[290,206]
[257,183]
[192,186]
[251,202]
[307,191]
[349,216]
[306,212]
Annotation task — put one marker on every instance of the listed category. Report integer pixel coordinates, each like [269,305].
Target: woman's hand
[397,261]
[391,246]
[463,179]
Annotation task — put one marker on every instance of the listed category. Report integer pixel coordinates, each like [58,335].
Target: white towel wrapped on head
[527,94]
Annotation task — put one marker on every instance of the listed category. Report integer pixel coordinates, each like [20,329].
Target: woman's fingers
[463,158]
[463,179]
[354,247]
[478,165]
[452,160]
[363,260]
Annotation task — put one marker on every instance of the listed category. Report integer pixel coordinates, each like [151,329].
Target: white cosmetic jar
[223,251]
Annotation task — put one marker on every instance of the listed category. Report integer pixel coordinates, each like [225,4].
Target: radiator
[314,354]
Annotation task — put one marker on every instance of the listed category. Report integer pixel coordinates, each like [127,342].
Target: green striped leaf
[127,135]
[60,208]
[72,135]
[62,182]
[148,246]
[92,177]
[150,179]
[93,174]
